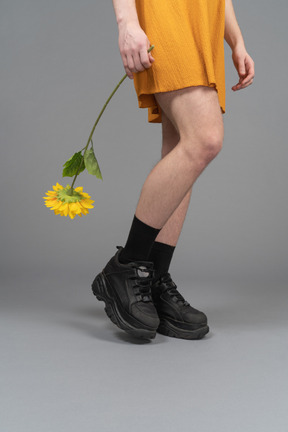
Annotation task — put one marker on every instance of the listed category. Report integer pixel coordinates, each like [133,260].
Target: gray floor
[65,367]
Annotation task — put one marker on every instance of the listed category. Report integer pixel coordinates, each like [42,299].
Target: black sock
[161,255]
[139,243]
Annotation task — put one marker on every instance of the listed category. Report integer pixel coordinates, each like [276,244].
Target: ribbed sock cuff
[139,243]
[161,255]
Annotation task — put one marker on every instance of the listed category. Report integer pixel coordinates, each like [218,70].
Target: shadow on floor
[100,327]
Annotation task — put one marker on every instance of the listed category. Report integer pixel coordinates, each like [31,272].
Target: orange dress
[188,36]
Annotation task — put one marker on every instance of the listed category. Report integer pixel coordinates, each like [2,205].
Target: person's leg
[167,237]
[196,115]
[177,317]
[170,232]
[163,248]
[126,287]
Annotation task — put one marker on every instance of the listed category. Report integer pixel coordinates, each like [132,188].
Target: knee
[211,145]
[205,147]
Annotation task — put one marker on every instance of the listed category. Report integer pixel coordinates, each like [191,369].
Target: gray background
[64,366]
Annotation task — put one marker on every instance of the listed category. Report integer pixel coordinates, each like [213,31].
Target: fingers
[126,67]
[246,79]
[239,86]
[151,58]
[133,64]
[137,61]
[146,59]
[249,75]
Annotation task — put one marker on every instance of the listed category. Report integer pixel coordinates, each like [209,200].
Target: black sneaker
[177,318]
[126,291]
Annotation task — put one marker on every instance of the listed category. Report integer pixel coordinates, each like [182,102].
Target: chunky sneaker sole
[167,328]
[103,292]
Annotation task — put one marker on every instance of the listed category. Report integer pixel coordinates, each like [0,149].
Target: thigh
[193,111]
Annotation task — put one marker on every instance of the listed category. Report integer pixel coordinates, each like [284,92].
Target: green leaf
[72,165]
[91,163]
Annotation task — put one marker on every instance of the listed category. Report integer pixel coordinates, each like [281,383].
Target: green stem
[70,192]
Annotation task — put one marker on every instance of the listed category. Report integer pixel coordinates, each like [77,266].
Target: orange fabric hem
[154,110]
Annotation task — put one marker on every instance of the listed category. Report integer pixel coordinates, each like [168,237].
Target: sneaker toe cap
[146,314]
[194,316]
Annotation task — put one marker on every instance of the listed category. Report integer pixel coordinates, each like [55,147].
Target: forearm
[232,35]
[125,11]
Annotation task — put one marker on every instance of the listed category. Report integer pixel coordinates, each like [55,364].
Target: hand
[133,45]
[244,66]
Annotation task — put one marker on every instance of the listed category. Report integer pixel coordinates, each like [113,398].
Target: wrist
[238,46]
[235,42]
[124,20]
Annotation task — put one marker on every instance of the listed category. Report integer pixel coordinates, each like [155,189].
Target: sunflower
[68,205]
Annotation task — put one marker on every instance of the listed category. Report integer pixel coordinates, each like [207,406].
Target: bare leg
[196,115]
[170,232]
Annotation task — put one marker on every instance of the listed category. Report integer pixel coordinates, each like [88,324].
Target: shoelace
[171,289]
[142,284]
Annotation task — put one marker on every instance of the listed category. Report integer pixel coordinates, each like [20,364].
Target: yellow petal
[84,211]
[57,205]
[57,187]
[75,207]
[79,189]
[63,211]
[78,208]
[88,201]
[71,214]
[85,195]
[66,210]
[49,199]
[49,204]
[85,204]
[63,206]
